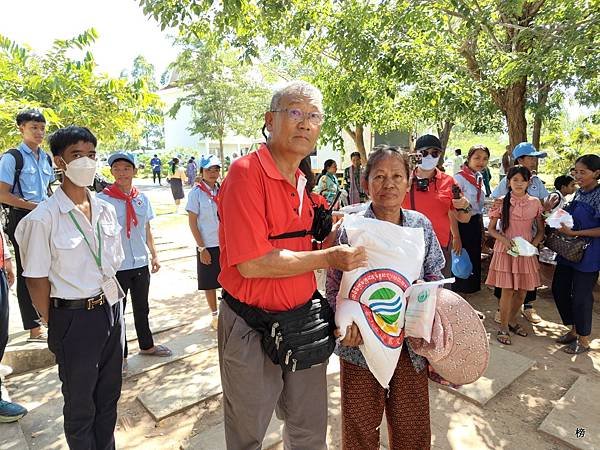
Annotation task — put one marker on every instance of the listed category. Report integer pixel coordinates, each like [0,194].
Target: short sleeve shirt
[201,204]
[470,192]
[535,189]
[51,246]
[135,247]
[435,203]
[585,209]
[35,177]
[255,203]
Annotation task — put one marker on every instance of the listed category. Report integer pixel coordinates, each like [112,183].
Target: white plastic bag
[373,297]
[522,247]
[420,310]
[559,218]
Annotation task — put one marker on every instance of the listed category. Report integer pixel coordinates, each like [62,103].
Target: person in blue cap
[134,213]
[204,224]
[525,154]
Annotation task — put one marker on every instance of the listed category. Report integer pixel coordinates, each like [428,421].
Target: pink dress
[520,272]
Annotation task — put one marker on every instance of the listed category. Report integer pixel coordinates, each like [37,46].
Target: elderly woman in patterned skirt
[406,402]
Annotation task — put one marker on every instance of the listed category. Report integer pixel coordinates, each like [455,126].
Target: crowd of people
[260,235]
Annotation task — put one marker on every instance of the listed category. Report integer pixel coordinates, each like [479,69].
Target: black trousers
[154,175]
[470,236]
[574,298]
[88,346]
[29,315]
[138,282]
[3,317]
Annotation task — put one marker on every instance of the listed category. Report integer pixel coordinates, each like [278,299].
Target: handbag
[296,339]
[570,248]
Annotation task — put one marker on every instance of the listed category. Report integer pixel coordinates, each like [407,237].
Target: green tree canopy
[500,54]
[68,90]
[224,94]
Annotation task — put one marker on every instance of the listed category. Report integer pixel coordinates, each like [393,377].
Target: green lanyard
[97,257]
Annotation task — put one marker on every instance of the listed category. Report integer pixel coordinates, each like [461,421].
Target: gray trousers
[253,387]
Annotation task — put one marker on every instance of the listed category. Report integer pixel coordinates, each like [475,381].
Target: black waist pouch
[297,339]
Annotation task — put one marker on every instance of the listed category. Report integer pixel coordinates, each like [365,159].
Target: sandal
[159,350]
[42,337]
[575,348]
[566,338]
[503,337]
[517,329]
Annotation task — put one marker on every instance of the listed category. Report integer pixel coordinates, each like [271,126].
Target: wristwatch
[201,249]
[468,209]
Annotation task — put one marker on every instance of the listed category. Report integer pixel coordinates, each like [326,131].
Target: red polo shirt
[256,202]
[434,203]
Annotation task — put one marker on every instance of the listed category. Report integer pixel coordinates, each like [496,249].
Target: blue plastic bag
[461,264]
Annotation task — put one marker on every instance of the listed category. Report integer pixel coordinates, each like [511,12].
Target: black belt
[84,303]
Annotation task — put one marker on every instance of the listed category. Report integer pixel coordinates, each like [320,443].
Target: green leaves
[225,94]
[64,84]
[403,63]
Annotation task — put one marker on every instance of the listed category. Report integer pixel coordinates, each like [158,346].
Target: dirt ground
[508,421]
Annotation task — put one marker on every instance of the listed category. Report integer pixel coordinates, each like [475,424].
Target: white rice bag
[395,257]
[381,351]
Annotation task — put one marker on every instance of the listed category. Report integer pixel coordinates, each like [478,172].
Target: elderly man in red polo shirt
[267,266]
[431,194]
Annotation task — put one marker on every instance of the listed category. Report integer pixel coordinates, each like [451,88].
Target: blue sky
[123,30]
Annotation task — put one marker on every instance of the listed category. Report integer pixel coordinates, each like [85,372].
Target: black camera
[422,184]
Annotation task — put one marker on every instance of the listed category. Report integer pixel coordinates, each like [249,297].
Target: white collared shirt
[52,247]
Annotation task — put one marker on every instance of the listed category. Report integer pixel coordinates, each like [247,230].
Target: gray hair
[297,91]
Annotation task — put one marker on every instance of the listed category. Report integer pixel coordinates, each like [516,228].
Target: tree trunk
[514,111]
[444,135]
[358,138]
[543,92]
[221,154]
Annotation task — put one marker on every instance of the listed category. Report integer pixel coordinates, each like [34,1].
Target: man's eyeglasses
[297,115]
[430,151]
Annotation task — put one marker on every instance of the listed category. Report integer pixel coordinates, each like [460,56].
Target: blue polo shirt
[135,247]
[535,189]
[35,177]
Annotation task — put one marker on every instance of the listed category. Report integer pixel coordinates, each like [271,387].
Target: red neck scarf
[471,177]
[114,192]
[205,188]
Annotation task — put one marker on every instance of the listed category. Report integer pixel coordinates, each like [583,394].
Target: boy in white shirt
[71,249]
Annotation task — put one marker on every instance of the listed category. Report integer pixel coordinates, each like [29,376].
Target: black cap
[428,141]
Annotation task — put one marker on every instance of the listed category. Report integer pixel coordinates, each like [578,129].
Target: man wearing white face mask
[71,249]
[431,194]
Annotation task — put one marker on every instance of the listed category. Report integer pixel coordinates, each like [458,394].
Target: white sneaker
[214,323]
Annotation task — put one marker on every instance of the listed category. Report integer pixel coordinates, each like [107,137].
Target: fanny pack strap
[257,318]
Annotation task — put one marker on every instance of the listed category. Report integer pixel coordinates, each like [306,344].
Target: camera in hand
[456,192]
[422,184]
